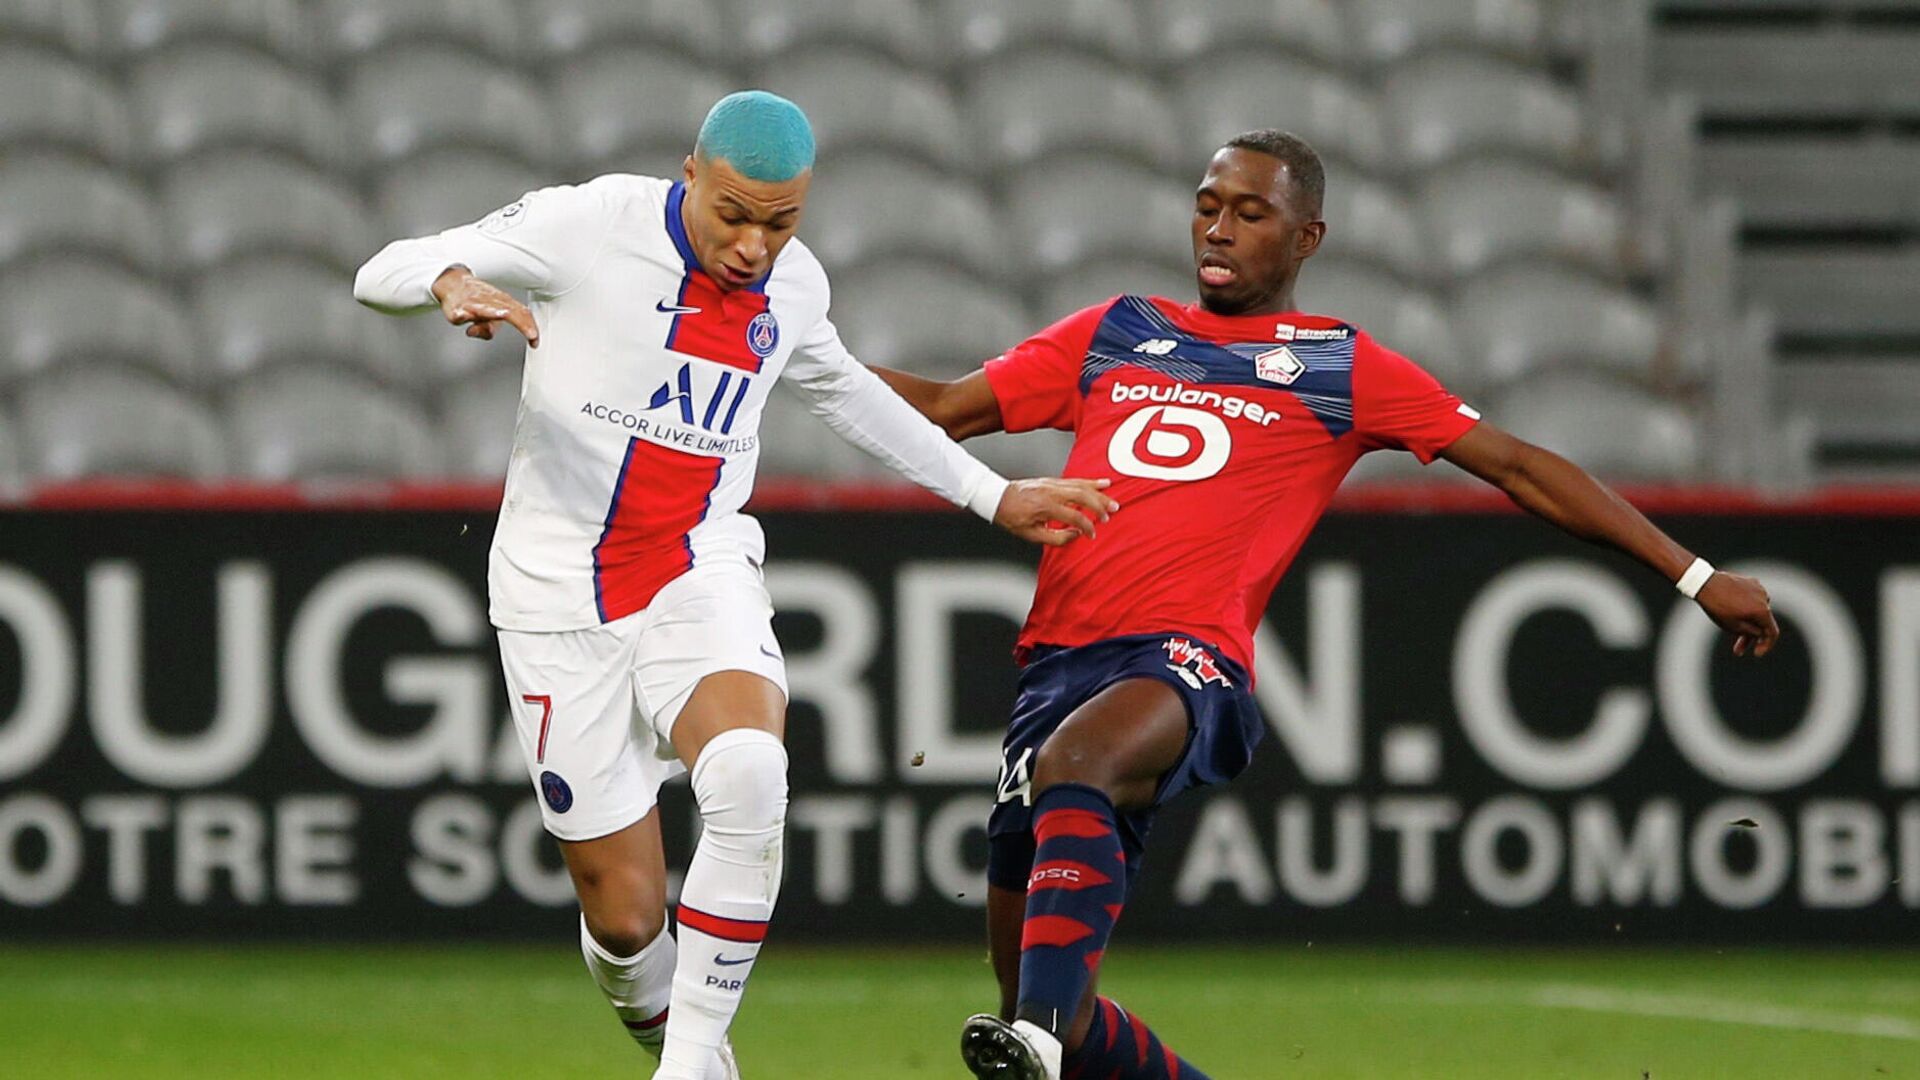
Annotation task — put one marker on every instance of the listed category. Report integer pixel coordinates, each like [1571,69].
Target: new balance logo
[1156,346]
[665,308]
[680,390]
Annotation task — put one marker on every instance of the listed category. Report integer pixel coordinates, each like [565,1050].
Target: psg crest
[763,333]
[557,793]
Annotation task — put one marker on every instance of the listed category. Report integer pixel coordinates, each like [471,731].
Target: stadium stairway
[1808,116]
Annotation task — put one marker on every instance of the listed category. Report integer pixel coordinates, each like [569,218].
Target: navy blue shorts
[1223,727]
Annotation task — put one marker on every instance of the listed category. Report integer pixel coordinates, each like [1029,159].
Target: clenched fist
[1739,605]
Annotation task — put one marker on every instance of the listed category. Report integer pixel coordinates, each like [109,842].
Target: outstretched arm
[1551,487]
[963,408]
[863,410]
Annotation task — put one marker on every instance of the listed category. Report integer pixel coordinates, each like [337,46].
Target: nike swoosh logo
[724,962]
[665,308]
[769,653]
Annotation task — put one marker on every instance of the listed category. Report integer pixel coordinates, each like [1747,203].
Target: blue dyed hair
[763,136]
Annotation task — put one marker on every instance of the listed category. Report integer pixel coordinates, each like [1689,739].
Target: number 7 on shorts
[545,701]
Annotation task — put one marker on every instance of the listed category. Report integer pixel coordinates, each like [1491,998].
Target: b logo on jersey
[1170,442]
[763,333]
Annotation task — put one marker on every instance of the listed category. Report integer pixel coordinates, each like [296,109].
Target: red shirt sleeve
[1398,406]
[1037,382]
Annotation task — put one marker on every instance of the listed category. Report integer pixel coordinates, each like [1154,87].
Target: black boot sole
[994,1051]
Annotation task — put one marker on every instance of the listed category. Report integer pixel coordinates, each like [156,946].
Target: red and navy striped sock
[1074,895]
[1120,1047]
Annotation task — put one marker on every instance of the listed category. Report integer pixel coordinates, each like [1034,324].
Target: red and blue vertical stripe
[646,542]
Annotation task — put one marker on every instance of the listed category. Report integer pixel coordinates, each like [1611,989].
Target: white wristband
[1696,576]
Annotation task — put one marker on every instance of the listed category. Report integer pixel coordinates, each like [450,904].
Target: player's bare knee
[1067,762]
[624,932]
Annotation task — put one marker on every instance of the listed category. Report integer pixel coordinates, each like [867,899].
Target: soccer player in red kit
[1225,427]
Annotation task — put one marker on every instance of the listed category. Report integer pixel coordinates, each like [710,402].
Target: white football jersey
[638,430]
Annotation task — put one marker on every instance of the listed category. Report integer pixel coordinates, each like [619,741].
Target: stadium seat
[1608,427]
[1089,105]
[1779,73]
[773,28]
[1447,106]
[435,351]
[233,205]
[868,208]
[1372,221]
[76,309]
[658,159]
[1102,279]
[1862,294]
[1186,30]
[1061,215]
[1816,183]
[53,204]
[1481,212]
[568,27]
[187,101]
[858,101]
[278,311]
[97,420]
[47,99]
[986,28]
[1253,89]
[1857,401]
[440,190]
[1525,317]
[1891,59]
[70,25]
[476,426]
[946,339]
[404,103]
[1391,30]
[13,471]
[318,424]
[621,102]
[137,27]
[356,28]
[1396,314]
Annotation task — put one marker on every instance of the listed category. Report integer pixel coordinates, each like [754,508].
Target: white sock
[638,986]
[740,782]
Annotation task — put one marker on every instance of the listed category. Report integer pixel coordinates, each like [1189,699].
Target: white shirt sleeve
[544,243]
[867,413]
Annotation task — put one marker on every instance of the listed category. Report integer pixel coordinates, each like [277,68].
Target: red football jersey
[1224,436]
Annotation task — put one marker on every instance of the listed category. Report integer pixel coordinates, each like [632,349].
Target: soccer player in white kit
[624,581]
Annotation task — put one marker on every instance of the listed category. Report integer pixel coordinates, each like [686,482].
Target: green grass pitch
[131,1012]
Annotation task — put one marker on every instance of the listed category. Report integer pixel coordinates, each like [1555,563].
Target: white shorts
[595,708]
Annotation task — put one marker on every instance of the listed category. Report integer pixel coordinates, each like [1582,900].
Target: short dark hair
[1302,161]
